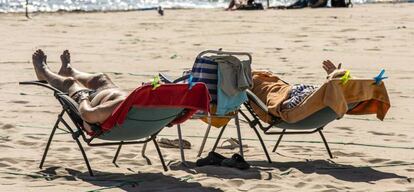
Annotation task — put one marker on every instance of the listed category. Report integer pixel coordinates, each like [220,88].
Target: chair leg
[236,120]
[50,140]
[181,146]
[84,156]
[326,144]
[218,138]
[144,148]
[203,143]
[263,145]
[79,144]
[160,155]
[117,153]
[278,141]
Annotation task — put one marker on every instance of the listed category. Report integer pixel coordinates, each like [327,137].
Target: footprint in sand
[409,170]
[6,146]
[381,133]
[343,154]
[27,143]
[348,29]
[375,160]
[8,126]
[301,36]
[345,128]
[373,49]
[298,41]
[300,185]
[19,101]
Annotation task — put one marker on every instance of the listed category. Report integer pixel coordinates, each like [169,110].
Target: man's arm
[99,113]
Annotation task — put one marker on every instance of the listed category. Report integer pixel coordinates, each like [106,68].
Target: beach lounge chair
[143,114]
[372,99]
[219,121]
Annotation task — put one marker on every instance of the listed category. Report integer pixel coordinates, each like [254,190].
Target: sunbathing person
[244,5]
[316,4]
[299,92]
[96,94]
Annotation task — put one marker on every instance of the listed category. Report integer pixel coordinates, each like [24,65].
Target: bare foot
[65,69]
[39,64]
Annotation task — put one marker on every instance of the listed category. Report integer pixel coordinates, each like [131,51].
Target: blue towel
[225,103]
[205,70]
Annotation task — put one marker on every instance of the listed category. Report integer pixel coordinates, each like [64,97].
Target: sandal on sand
[233,144]
[212,158]
[168,143]
[236,161]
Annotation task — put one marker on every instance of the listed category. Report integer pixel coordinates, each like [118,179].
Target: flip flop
[236,161]
[233,144]
[168,143]
[212,158]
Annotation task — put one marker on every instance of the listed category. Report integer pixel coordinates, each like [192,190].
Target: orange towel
[372,98]
[271,90]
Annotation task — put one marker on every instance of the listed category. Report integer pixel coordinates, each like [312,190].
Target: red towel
[165,96]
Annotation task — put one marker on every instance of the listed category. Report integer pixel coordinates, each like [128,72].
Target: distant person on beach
[244,5]
[316,4]
[96,94]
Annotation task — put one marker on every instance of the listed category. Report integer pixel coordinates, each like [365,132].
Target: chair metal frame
[79,131]
[235,117]
[255,121]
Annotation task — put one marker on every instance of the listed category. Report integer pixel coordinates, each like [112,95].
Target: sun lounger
[215,120]
[143,114]
[368,98]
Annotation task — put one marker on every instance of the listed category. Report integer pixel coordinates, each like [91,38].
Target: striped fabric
[298,94]
[205,70]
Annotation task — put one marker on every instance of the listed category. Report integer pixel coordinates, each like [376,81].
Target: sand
[131,47]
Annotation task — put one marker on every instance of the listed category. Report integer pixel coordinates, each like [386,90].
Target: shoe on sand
[236,161]
[212,158]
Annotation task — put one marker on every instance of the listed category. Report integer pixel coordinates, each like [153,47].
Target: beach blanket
[165,96]
[371,98]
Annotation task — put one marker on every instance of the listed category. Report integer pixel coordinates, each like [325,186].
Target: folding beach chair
[130,124]
[213,91]
[312,123]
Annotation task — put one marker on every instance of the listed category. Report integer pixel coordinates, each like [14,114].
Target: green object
[346,77]
[141,122]
[155,82]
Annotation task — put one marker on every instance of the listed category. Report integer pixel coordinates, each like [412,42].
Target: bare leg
[231,5]
[89,80]
[64,84]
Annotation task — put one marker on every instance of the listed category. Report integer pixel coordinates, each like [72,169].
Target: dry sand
[133,46]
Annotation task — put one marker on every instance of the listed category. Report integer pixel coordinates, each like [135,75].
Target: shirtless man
[96,94]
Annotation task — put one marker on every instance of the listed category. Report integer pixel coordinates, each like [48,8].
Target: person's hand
[330,67]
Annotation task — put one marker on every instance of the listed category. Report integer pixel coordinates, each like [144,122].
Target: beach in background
[132,47]
[13,6]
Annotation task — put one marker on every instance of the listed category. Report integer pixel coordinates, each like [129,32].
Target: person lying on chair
[299,92]
[96,94]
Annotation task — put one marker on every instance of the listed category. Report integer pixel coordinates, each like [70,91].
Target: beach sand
[131,47]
